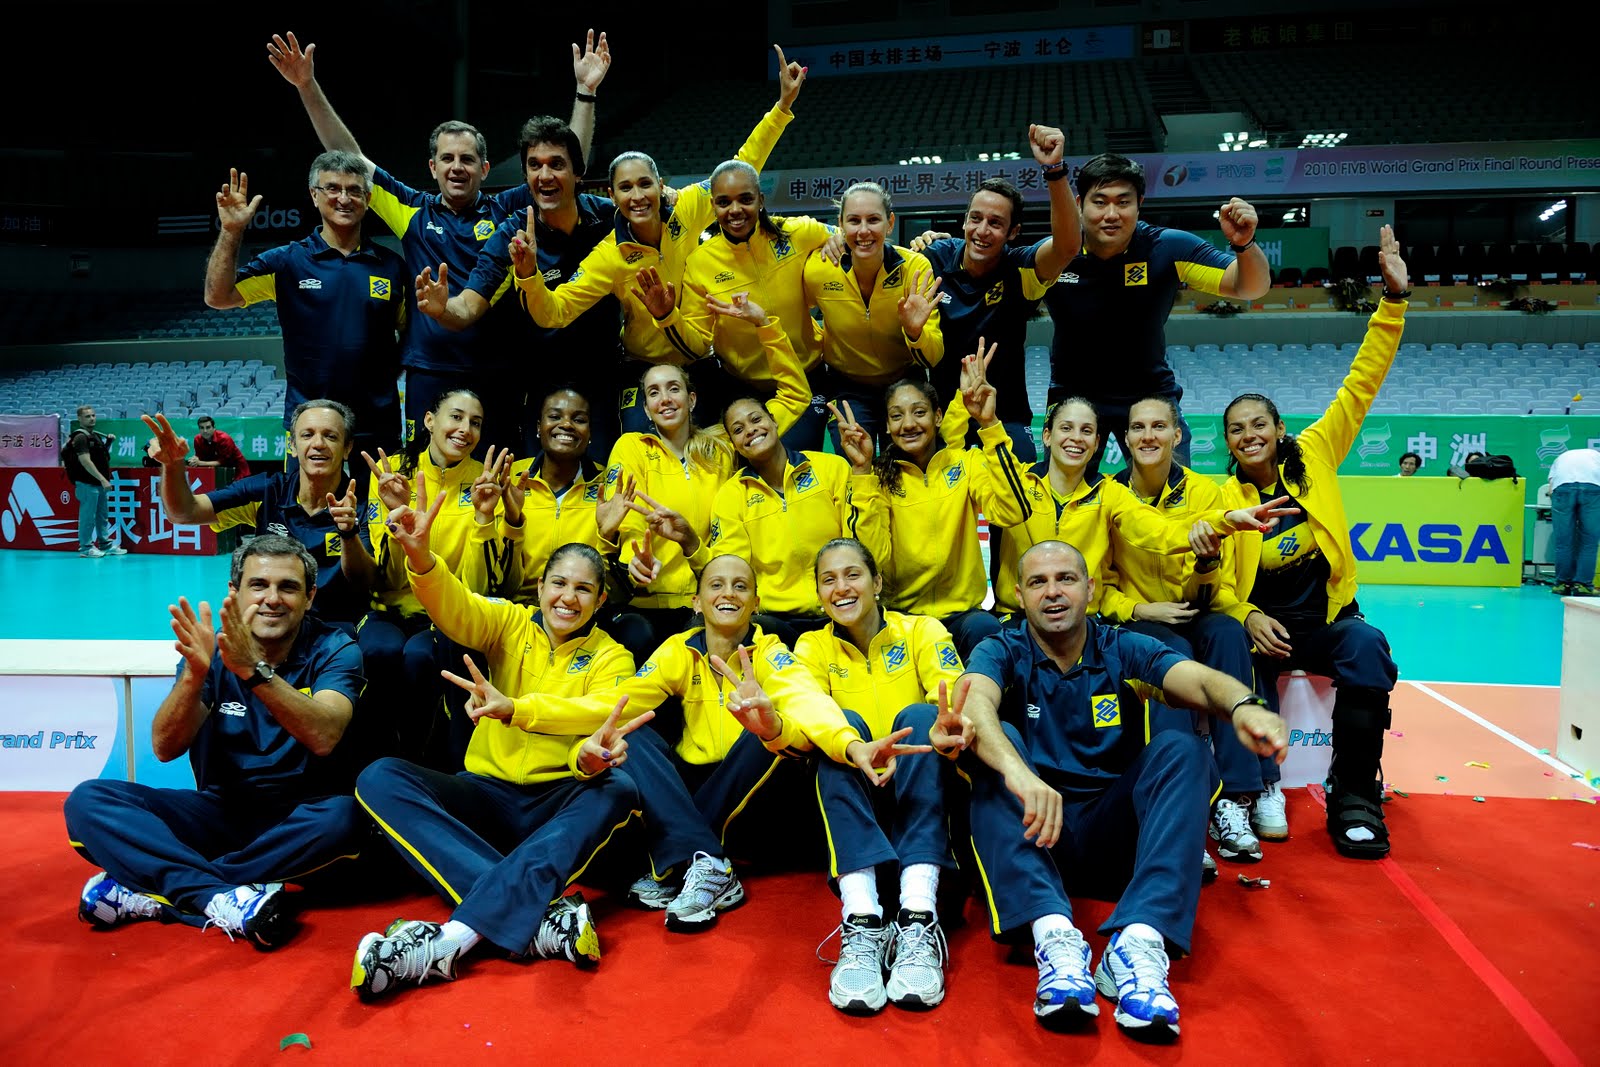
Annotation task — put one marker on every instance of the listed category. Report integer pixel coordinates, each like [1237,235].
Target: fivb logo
[26,500]
[1553,442]
[1374,441]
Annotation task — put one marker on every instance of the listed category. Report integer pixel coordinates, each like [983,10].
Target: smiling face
[987,227]
[865,224]
[727,595]
[1054,588]
[636,192]
[346,206]
[277,586]
[551,179]
[569,594]
[667,398]
[752,431]
[1071,436]
[564,425]
[1252,434]
[738,202]
[1152,433]
[1109,214]
[847,586]
[321,444]
[458,168]
[454,429]
[913,421]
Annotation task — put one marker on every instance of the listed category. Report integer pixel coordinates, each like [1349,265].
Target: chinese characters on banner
[948,51]
[29,440]
[41,512]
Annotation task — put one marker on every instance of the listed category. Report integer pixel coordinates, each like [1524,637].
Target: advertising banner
[260,438]
[1434,531]
[30,440]
[1481,168]
[39,510]
[946,51]
[1302,247]
[57,731]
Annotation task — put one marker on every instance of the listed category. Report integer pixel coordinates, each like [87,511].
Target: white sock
[919,886]
[1048,924]
[1359,833]
[458,935]
[858,893]
[1144,932]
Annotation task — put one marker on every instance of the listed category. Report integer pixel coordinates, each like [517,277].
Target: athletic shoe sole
[706,918]
[359,975]
[1156,1031]
[1067,1017]
[1238,857]
[915,1002]
[859,1007]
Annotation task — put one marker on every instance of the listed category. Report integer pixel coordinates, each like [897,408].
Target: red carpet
[1332,964]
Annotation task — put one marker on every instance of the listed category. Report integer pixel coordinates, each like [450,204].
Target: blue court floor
[1438,633]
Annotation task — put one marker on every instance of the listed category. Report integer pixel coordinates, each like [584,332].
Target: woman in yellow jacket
[1169,598]
[752,256]
[677,468]
[402,651]
[647,234]
[886,670]
[541,792]
[930,498]
[879,307]
[750,716]
[1296,587]
[779,507]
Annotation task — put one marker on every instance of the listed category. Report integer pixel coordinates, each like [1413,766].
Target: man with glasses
[341,299]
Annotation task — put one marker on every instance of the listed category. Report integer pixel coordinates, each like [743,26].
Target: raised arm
[235,209]
[318,719]
[977,699]
[170,450]
[1066,234]
[589,68]
[299,70]
[1249,276]
[182,713]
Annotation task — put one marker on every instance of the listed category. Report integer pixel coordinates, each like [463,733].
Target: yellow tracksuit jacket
[771,270]
[452,536]
[1140,576]
[934,566]
[548,522]
[1324,445]
[682,668]
[689,488]
[613,265]
[542,740]
[903,665]
[779,529]
[862,338]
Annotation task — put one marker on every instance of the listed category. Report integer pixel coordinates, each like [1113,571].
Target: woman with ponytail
[1295,587]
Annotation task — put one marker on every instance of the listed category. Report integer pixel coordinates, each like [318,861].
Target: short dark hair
[581,551]
[547,129]
[853,545]
[1007,190]
[1412,455]
[199,419]
[457,126]
[272,545]
[1106,168]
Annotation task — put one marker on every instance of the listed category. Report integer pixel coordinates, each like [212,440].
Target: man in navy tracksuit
[259,707]
[1071,778]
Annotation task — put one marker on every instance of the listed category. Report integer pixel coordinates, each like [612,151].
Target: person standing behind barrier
[1410,465]
[647,234]
[991,289]
[1295,588]
[341,299]
[879,307]
[889,672]
[1169,597]
[1575,519]
[1111,302]
[214,448]
[87,457]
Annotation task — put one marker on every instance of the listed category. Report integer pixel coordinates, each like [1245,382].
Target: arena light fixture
[1550,212]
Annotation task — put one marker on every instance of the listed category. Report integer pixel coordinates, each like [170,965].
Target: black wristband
[1056,174]
[587,98]
[1387,295]
[1253,698]
[1240,250]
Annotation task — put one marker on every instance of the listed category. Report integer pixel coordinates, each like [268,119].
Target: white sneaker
[91,552]
[254,912]
[709,887]
[1231,831]
[916,956]
[1269,814]
[1133,974]
[856,984]
[113,549]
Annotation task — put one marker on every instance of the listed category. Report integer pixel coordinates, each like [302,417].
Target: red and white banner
[39,510]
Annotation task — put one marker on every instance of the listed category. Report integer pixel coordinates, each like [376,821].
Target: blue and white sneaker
[105,903]
[1133,972]
[257,912]
[1065,994]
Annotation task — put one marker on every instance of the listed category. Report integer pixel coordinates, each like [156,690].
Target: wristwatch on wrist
[1240,250]
[1253,698]
[261,675]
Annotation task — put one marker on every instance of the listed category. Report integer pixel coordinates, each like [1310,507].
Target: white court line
[1502,685]
[1513,738]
